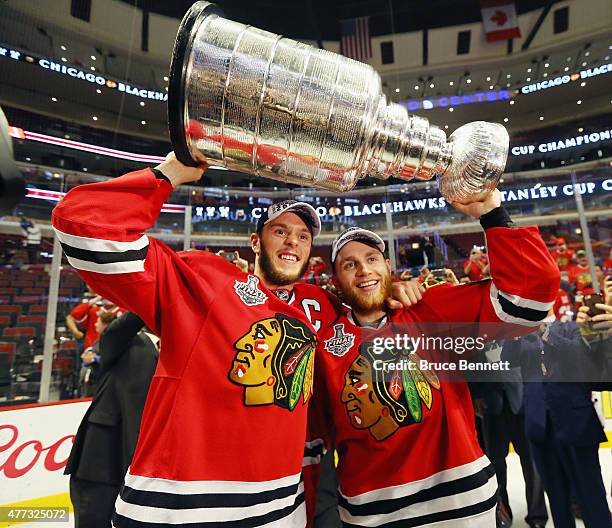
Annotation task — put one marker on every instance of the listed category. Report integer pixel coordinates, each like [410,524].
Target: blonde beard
[368,303]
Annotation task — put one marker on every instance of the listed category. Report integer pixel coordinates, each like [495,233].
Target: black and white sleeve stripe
[104,256]
[519,310]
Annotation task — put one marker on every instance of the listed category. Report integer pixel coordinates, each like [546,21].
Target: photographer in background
[234,258]
[595,321]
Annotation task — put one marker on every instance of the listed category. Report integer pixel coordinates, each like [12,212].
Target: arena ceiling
[318,19]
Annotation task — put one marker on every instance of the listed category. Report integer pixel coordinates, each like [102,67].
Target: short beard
[368,303]
[272,275]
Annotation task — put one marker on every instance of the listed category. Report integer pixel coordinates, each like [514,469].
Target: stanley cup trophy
[259,103]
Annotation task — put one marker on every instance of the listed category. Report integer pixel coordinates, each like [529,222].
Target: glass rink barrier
[50,319]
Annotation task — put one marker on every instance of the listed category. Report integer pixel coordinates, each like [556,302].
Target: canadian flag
[499,18]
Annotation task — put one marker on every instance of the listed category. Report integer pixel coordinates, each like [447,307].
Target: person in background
[314,271]
[33,237]
[91,357]
[580,274]
[85,315]
[563,255]
[476,267]
[106,439]
[499,405]
[464,279]
[608,262]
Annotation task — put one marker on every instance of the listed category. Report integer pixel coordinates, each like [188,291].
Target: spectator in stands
[563,255]
[106,439]
[91,357]
[608,262]
[406,275]
[32,240]
[477,265]
[580,274]
[464,279]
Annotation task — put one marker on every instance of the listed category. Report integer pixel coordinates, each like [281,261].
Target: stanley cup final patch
[249,291]
[340,343]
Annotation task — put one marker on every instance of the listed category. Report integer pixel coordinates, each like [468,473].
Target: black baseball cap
[305,211]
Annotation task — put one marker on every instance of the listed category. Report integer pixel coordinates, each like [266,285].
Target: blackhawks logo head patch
[274,361]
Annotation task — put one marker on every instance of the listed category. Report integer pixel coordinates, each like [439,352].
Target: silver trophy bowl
[266,105]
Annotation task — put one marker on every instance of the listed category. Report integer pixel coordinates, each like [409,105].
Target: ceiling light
[93,57]
[545,74]
[607,57]
[491,87]
[511,101]
[566,69]
[581,130]
[92,68]
[446,127]
[528,79]
[488,78]
[501,180]
[579,101]
[587,53]
[142,103]
[166,79]
[396,91]
[584,64]
[528,70]
[541,118]
[431,85]
[468,81]
[507,85]
[63,59]
[569,59]
[451,109]
[451,83]
[416,86]
[63,48]
[95,118]
[508,76]
[582,84]
[143,122]
[505,119]
[85,169]
[54,99]
[546,65]
[98,90]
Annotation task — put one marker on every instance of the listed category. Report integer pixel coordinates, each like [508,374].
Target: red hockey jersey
[406,441]
[222,435]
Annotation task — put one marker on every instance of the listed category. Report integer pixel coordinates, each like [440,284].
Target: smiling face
[282,250]
[363,275]
[252,365]
[362,405]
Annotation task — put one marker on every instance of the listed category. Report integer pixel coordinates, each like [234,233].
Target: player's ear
[255,243]
[388,263]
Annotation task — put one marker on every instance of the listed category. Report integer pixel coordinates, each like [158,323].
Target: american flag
[355,42]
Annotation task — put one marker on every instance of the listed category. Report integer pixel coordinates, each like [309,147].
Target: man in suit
[499,405]
[561,423]
[106,439]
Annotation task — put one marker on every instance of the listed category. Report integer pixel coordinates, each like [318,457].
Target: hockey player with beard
[404,434]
